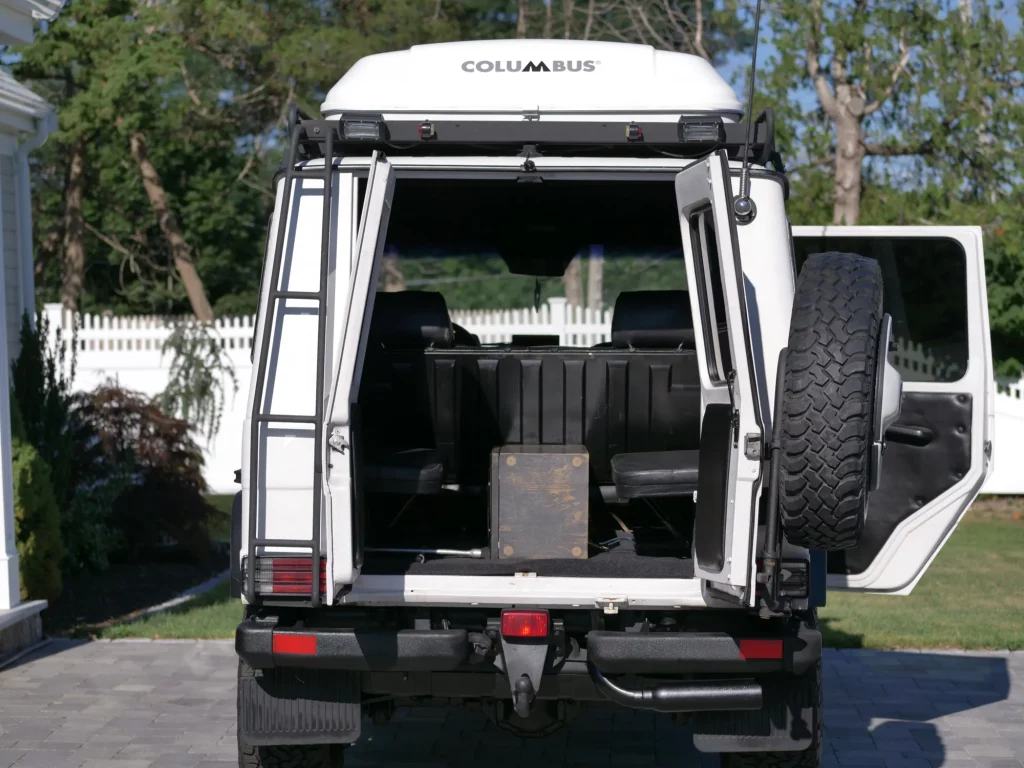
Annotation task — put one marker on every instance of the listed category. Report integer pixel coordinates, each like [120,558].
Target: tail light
[288,576]
[524,623]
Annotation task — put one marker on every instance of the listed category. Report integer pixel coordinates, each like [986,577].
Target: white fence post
[559,309]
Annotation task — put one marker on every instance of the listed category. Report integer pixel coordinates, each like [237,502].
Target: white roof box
[564,79]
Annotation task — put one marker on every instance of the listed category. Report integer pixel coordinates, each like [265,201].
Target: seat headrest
[411,319]
[652,320]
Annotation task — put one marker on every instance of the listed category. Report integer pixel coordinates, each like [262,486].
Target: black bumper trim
[696,652]
[355,650]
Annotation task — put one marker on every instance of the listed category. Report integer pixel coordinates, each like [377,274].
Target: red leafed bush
[165,498]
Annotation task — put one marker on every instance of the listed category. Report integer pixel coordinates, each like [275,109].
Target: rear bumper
[264,645]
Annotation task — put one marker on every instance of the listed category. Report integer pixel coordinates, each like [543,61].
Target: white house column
[10,590]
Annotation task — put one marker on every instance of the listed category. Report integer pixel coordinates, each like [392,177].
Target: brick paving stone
[171,705]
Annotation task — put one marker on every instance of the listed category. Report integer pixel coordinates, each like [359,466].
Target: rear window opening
[440,408]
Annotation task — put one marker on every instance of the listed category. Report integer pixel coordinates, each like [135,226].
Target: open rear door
[938,453]
[727,480]
[342,502]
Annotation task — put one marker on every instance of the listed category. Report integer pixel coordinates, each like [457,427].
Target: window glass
[709,280]
[497,248]
[926,294]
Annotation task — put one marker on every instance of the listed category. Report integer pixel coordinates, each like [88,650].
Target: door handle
[909,435]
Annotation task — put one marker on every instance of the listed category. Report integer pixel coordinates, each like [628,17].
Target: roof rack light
[361,129]
[698,131]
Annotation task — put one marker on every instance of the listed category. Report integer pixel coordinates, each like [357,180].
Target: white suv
[532,527]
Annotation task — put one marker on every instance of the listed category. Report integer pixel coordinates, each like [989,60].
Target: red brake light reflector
[760,649]
[301,645]
[524,623]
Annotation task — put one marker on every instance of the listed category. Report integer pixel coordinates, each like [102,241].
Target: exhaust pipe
[691,696]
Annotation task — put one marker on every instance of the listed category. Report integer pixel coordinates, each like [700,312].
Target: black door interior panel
[928,452]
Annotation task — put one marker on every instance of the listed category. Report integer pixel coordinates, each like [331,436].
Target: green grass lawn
[971,597]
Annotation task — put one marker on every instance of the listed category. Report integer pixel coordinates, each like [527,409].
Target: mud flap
[298,706]
[788,721]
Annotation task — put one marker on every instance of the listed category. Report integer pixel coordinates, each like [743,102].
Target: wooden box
[539,501]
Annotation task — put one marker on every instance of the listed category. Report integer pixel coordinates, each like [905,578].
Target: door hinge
[734,420]
[988,449]
[337,441]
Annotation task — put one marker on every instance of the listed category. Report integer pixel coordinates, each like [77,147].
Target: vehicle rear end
[442,508]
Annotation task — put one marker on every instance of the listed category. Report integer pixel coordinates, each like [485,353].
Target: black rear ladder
[301,136]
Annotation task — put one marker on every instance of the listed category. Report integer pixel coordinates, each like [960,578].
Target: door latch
[610,605]
[337,441]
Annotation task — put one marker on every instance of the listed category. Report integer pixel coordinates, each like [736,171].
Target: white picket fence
[129,350]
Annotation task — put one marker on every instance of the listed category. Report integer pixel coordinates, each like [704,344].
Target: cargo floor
[608,565]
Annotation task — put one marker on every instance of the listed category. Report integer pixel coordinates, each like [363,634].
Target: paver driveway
[169,704]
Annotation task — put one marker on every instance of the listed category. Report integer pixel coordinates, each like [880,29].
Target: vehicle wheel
[286,755]
[807,758]
[827,416]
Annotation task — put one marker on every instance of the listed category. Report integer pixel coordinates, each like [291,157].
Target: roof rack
[692,136]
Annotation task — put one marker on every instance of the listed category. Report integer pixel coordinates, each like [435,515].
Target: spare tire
[829,399]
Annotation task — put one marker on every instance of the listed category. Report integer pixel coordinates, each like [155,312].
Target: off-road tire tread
[807,758]
[829,400]
[286,756]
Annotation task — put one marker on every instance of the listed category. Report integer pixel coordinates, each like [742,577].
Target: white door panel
[717,293]
[284,484]
[914,513]
[338,497]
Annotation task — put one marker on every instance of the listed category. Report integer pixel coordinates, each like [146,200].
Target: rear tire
[827,416]
[291,756]
[286,755]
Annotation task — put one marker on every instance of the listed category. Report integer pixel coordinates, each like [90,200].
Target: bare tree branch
[522,22]
[637,8]
[698,33]
[898,150]
[894,78]
[590,20]
[257,149]
[826,98]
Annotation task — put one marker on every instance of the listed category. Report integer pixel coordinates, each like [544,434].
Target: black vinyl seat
[652,320]
[645,320]
[407,320]
[655,473]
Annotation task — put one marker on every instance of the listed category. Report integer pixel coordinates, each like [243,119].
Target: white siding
[12,257]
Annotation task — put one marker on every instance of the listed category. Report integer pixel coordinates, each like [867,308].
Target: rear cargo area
[549,458]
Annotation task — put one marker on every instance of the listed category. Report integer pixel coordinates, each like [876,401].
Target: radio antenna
[743,206]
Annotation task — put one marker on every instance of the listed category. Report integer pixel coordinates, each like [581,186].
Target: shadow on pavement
[893,709]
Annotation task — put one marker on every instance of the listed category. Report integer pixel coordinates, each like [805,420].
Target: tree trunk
[548,20]
[595,277]
[180,253]
[74,228]
[522,22]
[391,269]
[849,154]
[573,280]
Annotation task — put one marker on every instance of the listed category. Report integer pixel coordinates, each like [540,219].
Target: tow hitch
[526,637]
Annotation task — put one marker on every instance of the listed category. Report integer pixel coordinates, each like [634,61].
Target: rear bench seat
[635,405]
[399,442]
[653,320]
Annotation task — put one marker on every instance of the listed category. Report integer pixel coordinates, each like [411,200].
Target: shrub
[85,481]
[36,518]
[165,497]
